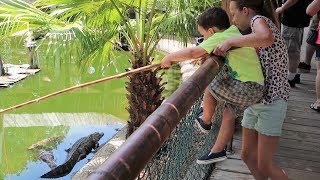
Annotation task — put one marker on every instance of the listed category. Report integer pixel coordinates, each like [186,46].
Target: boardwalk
[15,73]
[299,148]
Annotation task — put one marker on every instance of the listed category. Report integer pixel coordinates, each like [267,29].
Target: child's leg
[267,120]
[249,152]
[266,148]
[209,106]
[226,131]
[217,153]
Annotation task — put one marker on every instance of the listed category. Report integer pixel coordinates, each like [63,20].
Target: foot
[296,79]
[212,157]
[292,83]
[203,126]
[315,106]
[303,67]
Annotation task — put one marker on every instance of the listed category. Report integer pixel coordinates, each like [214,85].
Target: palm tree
[99,24]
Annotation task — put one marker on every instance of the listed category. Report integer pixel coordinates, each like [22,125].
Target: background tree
[97,27]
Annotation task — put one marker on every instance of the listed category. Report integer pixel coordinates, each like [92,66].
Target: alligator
[44,142]
[79,150]
[47,157]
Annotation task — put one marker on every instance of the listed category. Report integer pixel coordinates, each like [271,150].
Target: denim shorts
[267,119]
[293,38]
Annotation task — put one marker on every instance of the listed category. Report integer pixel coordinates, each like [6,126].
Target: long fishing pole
[142,69]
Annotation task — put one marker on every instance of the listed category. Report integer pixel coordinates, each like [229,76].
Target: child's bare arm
[261,37]
[182,55]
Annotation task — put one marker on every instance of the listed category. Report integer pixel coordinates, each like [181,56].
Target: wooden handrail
[130,159]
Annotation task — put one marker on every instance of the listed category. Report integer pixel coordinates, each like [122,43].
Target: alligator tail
[59,171]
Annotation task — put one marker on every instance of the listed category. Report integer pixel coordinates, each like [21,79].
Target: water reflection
[73,115]
[21,163]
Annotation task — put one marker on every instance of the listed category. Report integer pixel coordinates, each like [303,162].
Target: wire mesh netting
[177,157]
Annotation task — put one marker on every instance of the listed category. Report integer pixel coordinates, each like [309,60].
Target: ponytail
[268,10]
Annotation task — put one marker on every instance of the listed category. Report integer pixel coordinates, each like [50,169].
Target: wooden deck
[299,147]
[17,73]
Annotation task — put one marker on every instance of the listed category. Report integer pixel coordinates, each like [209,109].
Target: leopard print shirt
[274,62]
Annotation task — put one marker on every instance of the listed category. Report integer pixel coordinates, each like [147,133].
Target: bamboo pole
[130,159]
[121,75]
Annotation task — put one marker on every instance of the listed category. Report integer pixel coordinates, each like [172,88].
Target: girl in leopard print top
[262,122]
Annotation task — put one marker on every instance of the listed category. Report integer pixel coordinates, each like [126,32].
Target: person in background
[312,10]
[293,21]
[305,66]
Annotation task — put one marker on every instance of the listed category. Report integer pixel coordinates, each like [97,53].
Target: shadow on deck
[298,152]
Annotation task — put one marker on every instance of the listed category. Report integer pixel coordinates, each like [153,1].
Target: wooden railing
[130,159]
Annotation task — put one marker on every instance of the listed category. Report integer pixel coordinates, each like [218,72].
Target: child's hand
[222,48]
[166,62]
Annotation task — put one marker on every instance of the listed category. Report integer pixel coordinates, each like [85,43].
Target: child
[239,83]
[262,122]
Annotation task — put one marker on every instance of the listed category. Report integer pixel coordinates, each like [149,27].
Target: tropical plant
[98,26]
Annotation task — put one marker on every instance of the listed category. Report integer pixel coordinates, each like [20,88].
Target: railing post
[130,159]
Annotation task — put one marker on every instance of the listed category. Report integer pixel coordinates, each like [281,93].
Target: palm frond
[16,16]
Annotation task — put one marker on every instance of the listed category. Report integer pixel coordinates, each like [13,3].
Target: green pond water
[71,116]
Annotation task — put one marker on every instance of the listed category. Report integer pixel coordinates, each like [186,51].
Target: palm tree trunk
[144,94]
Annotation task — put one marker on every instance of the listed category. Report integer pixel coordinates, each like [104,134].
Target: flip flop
[315,107]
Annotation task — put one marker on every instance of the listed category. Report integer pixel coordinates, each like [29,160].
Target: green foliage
[98,24]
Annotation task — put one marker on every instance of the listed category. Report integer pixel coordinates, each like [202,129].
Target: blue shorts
[267,119]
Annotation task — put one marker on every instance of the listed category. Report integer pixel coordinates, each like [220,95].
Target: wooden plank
[302,145]
[284,151]
[291,160]
[301,99]
[32,71]
[298,154]
[225,175]
[18,72]
[294,174]
[302,121]
[303,114]
[12,79]
[300,136]
[297,174]
[301,128]
[304,165]
[4,85]
[233,165]
[307,85]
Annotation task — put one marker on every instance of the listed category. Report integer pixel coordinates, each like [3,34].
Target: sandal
[315,107]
